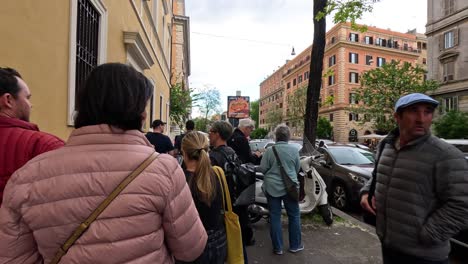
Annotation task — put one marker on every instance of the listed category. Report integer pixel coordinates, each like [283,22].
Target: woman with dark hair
[207,194]
[153,220]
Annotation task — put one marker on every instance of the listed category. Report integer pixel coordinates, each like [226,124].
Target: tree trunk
[315,76]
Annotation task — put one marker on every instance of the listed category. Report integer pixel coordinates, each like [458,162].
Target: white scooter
[315,194]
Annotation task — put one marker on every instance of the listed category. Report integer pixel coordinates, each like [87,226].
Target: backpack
[240,175]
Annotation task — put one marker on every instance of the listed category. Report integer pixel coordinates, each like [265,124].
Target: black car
[345,169]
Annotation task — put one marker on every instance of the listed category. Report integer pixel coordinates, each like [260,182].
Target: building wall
[453,92]
[414,52]
[37,44]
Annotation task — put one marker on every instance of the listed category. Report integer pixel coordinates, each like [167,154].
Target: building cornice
[137,49]
[447,21]
[281,89]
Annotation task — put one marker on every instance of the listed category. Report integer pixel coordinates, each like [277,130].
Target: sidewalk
[346,241]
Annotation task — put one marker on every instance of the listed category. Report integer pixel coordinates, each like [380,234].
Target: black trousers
[391,256]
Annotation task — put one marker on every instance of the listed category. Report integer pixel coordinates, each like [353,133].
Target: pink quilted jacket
[152,221]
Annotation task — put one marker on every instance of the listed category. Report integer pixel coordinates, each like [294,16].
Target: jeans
[391,256]
[215,250]
[294,222]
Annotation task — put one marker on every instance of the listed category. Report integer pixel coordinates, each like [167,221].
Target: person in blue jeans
[275,190]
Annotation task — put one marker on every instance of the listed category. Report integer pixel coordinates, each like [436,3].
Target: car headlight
[357,178]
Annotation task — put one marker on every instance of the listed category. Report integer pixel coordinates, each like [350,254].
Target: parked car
[259,144]
[460,240]
[345,169]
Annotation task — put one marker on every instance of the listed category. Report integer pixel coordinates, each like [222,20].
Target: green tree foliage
[453,124]
[344,10]
[201,124]
[274,117]
[259,133]
[181,103]
[297,106]
[381,88]
[324,128]
[254,111]
[208,100]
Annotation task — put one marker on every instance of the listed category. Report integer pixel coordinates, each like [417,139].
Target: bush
[258,133]
[454,124]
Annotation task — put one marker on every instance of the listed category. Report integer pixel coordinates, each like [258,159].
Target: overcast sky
[236,44]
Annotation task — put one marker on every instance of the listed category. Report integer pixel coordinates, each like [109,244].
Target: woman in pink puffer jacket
[153,220]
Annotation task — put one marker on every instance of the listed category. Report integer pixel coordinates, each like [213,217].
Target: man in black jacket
[220,131]
[240,143]
[189,127]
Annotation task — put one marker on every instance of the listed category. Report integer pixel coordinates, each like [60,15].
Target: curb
[353,220]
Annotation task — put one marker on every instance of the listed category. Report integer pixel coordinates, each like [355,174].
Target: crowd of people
[167,212]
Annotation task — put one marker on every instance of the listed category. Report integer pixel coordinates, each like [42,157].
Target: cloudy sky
[236,44]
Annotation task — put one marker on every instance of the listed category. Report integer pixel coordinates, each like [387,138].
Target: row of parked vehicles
[345,168]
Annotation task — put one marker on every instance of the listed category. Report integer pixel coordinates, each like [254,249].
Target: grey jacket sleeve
[451,176]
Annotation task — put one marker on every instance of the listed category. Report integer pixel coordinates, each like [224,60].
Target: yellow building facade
[55,43]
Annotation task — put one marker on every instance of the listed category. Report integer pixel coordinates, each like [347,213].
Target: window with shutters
[299,79]
[353,117]
[331,60]
[449,7]
[368,40]
[353,77]
[449,39]
[450,104]
[353,58]
[448,71]
[353,37]
[331,80]
[288,85]
[331,117]
[306,75]
[380,61]
[294,82]
[352,98]
[369,59]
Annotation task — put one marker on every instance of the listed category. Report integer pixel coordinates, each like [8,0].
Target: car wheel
[339,196]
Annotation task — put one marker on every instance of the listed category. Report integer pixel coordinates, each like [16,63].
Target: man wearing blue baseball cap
[418,191]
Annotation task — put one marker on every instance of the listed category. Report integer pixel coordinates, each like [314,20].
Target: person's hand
[365,204]
[258,154]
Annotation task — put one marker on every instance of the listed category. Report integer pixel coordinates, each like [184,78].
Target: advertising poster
[238,106]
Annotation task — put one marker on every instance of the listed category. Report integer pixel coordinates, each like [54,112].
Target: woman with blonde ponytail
[207,195]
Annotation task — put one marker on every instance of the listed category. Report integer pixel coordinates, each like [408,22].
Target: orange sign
[238,106]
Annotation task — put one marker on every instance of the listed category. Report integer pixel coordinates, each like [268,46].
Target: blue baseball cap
[414,98]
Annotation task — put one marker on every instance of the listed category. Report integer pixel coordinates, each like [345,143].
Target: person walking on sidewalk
[208,196]
[421,195]
[276,193]
[20,140]
[152,220]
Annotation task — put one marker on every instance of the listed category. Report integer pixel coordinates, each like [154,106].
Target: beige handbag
[84,226]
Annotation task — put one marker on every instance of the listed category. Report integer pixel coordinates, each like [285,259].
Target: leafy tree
[181,103]
[345,10]
[381,88]
[324,128]
[274,117]
[208,100]
[297,106]
[201,123]
[259,133]
[453,124]
[254,111]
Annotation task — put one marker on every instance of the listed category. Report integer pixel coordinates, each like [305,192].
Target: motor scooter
[315,194]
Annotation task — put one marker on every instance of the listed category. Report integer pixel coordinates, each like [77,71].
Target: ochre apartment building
[348,54]
[54,44]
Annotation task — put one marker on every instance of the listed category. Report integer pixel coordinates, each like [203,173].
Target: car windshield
[350,156]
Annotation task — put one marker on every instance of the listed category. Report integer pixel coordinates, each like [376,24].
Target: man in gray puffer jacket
[421,188]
